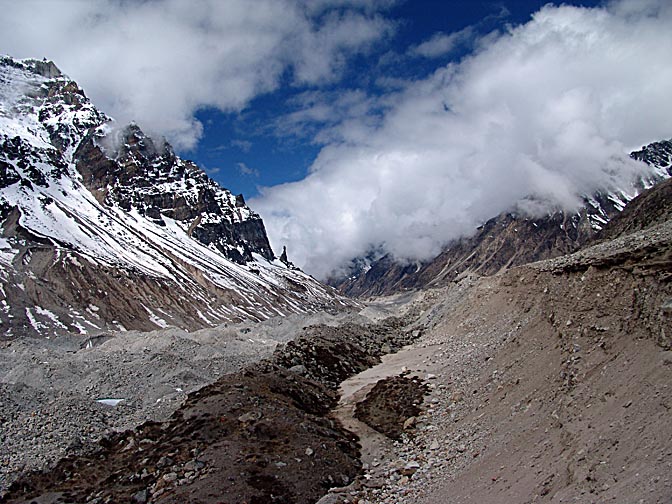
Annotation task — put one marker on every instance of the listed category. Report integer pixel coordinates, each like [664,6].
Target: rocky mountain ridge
[510,239]
[133,173]
[104,228]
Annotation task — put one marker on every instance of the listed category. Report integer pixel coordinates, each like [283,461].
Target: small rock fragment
[250,416]
[141,496]
[410,468]
[170,477]
[299,369]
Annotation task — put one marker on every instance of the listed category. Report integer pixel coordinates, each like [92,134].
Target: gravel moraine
[549,383]
[49,387]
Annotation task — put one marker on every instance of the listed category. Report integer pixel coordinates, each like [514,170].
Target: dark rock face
[46,68]
[18,155]
[139,175]
[657,154]
[510,239]
[650,208]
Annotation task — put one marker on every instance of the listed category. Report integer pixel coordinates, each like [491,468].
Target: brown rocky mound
[391,404]
[242,439]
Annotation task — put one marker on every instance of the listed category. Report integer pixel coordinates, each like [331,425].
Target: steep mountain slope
[510,239]
[104,229]
[649,208]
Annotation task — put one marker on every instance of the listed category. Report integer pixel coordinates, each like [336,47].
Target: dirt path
[410,361]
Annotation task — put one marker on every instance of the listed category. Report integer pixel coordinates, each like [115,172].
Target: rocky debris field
[49,387]
[261,434]
[551,382]
[242,439]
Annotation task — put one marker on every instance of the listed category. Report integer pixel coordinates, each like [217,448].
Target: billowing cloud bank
[547,109]
[160,61]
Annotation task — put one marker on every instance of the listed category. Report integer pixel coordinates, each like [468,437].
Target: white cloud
[158,62]
[243,145]
[441,43]
[323,116]
[243,169]
[321,52]
[548,109]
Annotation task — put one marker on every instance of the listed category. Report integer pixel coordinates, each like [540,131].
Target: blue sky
[360,127]
[247,149]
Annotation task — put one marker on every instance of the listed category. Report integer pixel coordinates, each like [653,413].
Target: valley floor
[49,388]
[551,382]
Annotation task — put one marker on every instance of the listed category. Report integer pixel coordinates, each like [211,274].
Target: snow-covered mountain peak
[42,106]
[104,227]
[658,155]
[43,67]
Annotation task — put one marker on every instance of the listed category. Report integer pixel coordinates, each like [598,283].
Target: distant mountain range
[102,228]
[509,239]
